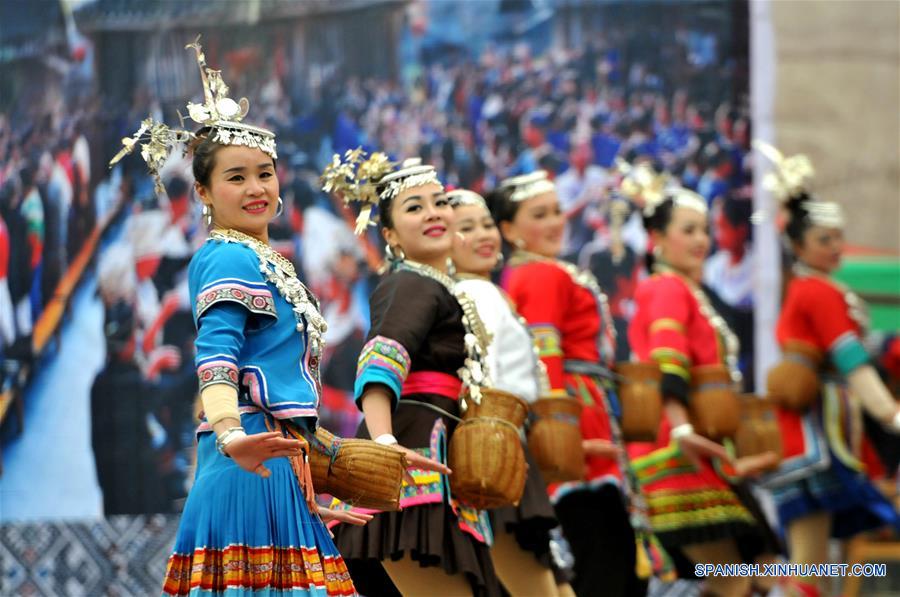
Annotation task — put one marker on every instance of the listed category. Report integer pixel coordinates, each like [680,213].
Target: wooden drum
[715,409]
[758,431]
[357,471]
[555,439]
[794,382]
[641,400]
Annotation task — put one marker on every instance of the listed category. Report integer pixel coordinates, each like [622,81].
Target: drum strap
[436,409]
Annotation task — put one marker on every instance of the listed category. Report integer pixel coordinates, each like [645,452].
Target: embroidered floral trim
[677,509]
[280,272]
[257,568]
[256,298]
[217,369]
[547,340]
[384,353]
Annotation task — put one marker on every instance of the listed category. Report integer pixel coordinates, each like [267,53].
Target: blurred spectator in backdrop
[729,270]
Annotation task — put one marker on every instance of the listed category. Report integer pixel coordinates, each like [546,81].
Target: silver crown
[460,197]
[219,112]
[527,186]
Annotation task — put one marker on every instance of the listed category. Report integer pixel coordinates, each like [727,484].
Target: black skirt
[429,533]
[596,524]
[531,521]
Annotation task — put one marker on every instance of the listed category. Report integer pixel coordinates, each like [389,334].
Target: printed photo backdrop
[98,383]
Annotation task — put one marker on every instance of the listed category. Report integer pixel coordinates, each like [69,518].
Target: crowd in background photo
[632,117]
[477,117]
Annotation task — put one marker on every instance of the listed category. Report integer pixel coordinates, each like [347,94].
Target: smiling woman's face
[476,240]
[242,191]
[685,241]
[421,218]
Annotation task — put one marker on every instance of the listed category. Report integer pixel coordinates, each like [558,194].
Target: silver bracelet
[895,422]
[386,439]
[680,431]
[230,434]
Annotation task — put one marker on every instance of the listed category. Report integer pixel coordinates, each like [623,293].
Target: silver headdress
[219,112]
[460,197]
[369,179]
[644,183]
[412,173]
[527,186]
[792,179]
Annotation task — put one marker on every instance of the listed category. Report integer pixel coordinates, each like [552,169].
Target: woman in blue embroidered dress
[250,524]
[408,387]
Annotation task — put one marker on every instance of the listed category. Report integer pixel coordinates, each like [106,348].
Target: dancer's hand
[753,466]
[348,516]
[416,460]
[601,448]
[376,406]
[249,452]
[697,448]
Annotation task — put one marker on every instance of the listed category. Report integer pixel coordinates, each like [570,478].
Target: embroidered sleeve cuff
[383,361]
[218,369]
[673,369]
[665,354]
[547,340]
[848,353]
[254,296]
[667,323]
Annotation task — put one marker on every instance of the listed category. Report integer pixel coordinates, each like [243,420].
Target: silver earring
[657,252]
[395,254]
[520,244]
[280,209]
[207,214]
[500,259]
[451,268]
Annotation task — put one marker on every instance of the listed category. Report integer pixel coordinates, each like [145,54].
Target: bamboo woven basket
[488,463]
[486,453]
[794,382]
[758,431]
[360,473]
[555,439]
[641,400]
[499,404]
[715,409]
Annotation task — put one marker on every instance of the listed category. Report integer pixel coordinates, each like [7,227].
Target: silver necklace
[728,338]
[280,272]
[586,280]
[540,370]
[856,307]
[474,373]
